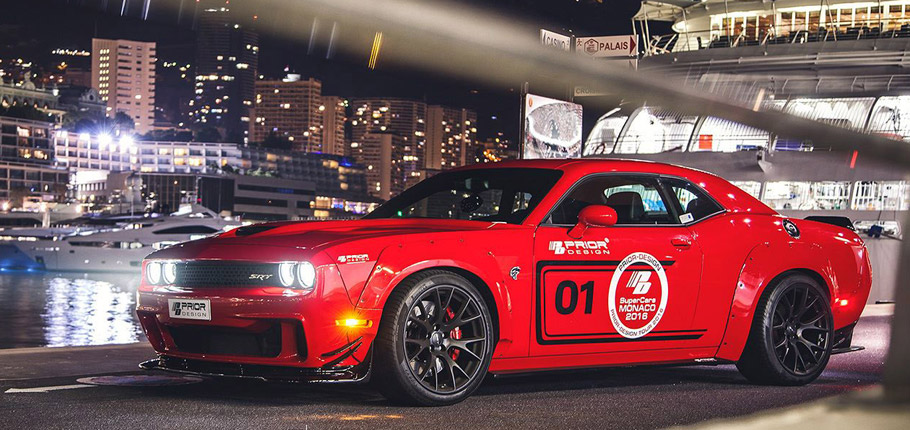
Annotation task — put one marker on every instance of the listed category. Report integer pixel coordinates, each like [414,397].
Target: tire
[431,358]
[791,336]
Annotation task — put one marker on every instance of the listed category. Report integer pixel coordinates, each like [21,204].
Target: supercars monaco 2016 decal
[637,305]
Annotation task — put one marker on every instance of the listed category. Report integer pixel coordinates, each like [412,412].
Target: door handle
[681,242]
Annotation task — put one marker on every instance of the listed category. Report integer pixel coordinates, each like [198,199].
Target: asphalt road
[626,398]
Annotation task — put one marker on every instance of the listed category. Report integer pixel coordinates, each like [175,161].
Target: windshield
[503,194]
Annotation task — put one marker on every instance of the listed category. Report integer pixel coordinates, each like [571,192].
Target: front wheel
[792,334]
[434,342]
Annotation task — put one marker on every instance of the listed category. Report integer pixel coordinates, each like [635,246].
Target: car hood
[315,235]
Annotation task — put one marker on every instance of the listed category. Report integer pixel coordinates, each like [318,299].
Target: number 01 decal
[603,301]
[572,288]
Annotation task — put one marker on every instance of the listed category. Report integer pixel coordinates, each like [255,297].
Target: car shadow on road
[270,393]
[250,391]
[619,379]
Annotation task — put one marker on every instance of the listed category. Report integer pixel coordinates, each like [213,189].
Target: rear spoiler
[840,221]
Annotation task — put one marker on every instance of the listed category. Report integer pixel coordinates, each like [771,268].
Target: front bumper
[262,332]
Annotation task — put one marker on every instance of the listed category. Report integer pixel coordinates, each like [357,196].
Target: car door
[630,286]
[704,218]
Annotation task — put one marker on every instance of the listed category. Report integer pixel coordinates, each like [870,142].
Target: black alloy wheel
[792,334]
[435,340]
[445,339]
[800,329]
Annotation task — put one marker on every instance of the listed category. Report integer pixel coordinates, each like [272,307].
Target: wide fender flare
[765,262]
[397,262]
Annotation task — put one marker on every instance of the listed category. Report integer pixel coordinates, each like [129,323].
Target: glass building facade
[735,23]
[653,130]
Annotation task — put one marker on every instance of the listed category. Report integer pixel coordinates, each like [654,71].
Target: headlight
[286,273]
[169,272]
[306,274]
[153,272]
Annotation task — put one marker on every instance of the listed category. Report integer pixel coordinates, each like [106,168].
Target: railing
[713,39]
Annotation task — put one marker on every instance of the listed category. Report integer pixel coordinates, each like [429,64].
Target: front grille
[201,274]
[228,341]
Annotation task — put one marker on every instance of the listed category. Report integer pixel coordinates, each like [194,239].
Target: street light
[126,142]
[105,140]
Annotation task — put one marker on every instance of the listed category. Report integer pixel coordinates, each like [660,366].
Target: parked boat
[114,247]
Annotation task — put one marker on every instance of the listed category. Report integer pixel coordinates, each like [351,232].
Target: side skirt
[627,358]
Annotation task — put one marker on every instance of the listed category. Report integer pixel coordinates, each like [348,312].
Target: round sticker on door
[636,304]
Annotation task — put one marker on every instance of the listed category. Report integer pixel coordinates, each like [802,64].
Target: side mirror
[593,216]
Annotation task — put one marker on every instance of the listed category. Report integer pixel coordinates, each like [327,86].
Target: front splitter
[341,374]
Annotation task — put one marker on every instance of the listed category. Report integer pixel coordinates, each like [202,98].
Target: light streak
[374,53]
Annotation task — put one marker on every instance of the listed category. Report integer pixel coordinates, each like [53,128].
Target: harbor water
[60,309]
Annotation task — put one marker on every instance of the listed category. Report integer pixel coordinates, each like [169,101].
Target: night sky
[31,29]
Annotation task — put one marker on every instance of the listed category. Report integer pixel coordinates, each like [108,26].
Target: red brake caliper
[454,334]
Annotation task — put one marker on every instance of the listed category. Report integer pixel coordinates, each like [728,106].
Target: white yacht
[117,248]
[36,213]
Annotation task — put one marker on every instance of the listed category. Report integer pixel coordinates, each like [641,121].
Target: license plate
[190,309]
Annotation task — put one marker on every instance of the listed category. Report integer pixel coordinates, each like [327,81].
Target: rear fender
[764,263]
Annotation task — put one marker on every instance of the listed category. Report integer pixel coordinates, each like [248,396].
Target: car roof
[727,194]
[594,165]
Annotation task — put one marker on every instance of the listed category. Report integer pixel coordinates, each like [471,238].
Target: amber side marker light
[354,323]
[841,302]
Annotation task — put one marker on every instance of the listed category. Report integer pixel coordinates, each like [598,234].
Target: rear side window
[694,203]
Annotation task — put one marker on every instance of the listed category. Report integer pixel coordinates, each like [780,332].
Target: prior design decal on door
[580,247]
[604,301]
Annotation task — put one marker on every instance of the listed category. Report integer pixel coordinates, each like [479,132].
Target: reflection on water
[52,309]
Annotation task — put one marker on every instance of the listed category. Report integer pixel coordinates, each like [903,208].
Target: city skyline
[218,74]
[221,96]
[341,75]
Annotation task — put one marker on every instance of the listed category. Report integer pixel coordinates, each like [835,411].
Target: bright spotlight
[105,140]
[126,142]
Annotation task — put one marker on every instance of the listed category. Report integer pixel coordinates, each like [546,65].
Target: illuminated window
[652,130]
[885,195]
[753,188]
[785,195]
[720,135]
[842,112]
[891,117]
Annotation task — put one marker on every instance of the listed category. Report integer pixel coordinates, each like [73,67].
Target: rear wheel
[791,337]
[434,342]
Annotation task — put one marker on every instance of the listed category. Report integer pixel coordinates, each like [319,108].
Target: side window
[635,199]
[695,204]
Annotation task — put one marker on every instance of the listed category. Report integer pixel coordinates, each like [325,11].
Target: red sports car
[521,266]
